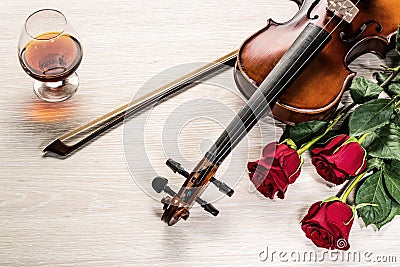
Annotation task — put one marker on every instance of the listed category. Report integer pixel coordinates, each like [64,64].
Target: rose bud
[339,159]
[279,166]
[328,224]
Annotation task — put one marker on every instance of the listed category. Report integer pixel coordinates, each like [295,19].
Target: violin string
[233,137]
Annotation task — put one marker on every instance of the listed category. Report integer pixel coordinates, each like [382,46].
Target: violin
[299,69]
[316,93]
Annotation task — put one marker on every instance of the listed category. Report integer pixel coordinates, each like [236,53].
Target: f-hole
[312,7]
[349,38]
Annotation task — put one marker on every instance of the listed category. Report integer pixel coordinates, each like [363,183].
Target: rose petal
[257,179]
[268,188]
[325,171]
[269,150]
[340,216]
[328,224]
[266,162]
[321,238]
[311,211]
[280,180]
[332,145]
[252,166]
[336,162]
[290,163]
[279,166]
[328,170]
[349,158]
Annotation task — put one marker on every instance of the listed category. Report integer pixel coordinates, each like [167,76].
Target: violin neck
[308,44]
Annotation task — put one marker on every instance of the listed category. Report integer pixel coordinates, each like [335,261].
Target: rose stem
[350,188]
[362,138]
[394,73]
[398,103]
[331,125]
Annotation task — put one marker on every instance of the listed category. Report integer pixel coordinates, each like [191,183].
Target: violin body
[317,91]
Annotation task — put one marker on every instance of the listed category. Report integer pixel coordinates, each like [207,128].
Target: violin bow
[83,135]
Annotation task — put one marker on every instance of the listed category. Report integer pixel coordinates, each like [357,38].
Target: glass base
[57,91]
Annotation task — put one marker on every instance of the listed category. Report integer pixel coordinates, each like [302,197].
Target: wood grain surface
[92,209]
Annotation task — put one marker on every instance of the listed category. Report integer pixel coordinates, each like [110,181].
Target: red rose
[328,224]
[339,160]
[278,167]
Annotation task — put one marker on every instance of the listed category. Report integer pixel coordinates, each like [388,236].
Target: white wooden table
[88,210]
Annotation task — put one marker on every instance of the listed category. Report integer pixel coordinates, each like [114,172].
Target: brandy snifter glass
[50,51]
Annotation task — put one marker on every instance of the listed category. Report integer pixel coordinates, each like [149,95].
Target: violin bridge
[344,9]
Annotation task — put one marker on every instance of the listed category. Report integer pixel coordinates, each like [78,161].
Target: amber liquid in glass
[51,57]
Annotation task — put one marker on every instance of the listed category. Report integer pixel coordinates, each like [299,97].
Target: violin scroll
[177,205]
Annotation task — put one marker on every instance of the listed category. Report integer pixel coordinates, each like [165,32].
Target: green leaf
[370,116]
[303,132]
[363,90]
[374,163]
[396,119]
[395,210]
[395,164]
[393,89]
[392,182]
[372,191]
[387,143]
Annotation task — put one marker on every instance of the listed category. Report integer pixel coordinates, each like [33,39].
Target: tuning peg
[176,167]
[222,187]
[160,184]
